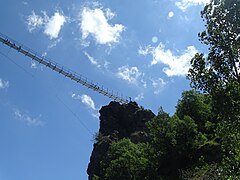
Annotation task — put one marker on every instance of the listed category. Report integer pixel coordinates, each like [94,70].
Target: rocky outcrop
[116,122]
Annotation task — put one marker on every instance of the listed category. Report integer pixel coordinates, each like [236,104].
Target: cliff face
[116,122]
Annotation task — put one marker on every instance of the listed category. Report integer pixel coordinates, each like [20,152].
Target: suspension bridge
[61,69]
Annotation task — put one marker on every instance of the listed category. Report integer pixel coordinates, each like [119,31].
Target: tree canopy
[218,73]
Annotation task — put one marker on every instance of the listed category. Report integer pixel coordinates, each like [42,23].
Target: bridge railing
[61,69]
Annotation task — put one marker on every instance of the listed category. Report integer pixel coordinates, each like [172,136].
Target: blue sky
[138,48]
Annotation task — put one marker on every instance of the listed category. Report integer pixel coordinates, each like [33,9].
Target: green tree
[128,161]
[199,107]
[221,66]
[173,142]
[217,74]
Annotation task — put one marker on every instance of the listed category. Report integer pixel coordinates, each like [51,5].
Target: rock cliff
[116,122]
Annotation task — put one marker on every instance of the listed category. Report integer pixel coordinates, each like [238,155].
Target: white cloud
[95,22]
[34,65]
[96,115]
[34,21]
[144,82]
[158,85]
[76,96]
[54,43]
[92,60]
[176,65]
[3,84]
[170,14]
[86,100]
[109,14]
[27,119]
[139,97]
[184,4]
[51,25]
[106,64]
[130,74]
[144,50]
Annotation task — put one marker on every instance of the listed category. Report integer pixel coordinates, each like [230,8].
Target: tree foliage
[197,106]
[173,142]
[126,160]
[218,73]
[221,66]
